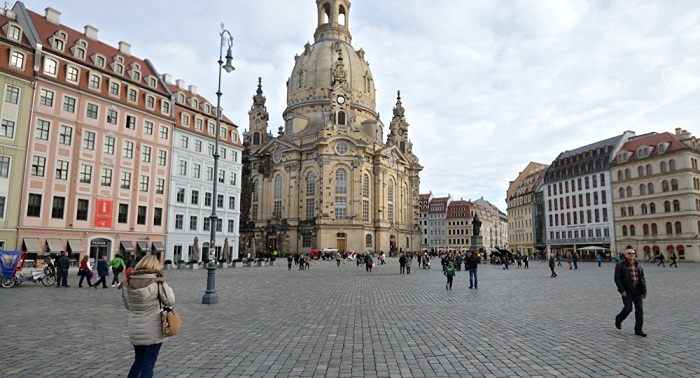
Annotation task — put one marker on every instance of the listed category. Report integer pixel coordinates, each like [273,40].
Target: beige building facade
[656,189]
[521,197]
[332,176]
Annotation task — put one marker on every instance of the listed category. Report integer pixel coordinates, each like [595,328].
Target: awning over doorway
[31,245]
[127,246]
[158,246]
[143,245]
[54,245]
[76,245]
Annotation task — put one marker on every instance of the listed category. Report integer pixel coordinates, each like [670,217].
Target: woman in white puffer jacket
[140,297]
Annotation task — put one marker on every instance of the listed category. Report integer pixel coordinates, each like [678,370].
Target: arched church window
[300,79]
[254,191]
[256,138]
[341,181]
[341,117]
[402,147]
[365,185]
[278,186]
[390,191]
[342,17]
[326,14]
[311,184]
[368,240]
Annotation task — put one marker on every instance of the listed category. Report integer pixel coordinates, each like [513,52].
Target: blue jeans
[633,296]
[472,274]
[144,360]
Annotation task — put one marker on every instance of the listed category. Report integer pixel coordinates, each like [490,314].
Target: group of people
[451,262]
[302,260]
[86,272]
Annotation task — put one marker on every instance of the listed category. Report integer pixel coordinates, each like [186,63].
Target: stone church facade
[332,176]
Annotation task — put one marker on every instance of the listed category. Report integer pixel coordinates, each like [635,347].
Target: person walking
[409,260]
[369,263]
[290,260]
[574,258]
[338,257]
[118,265]
[62,264]
[559,258]
[85,271]
[672,257]
[450,274]
[551,265]
[630,282]
[525,261]
[599,258]
[402,264]
[661,260]
[472,265]
[307,262]
[102,272]
[143,296]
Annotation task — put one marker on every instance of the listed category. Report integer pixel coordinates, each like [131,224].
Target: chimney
[10,15]
[125,48]
[168,78]
[53,16]
[193,89]
[91,32]
[180,83]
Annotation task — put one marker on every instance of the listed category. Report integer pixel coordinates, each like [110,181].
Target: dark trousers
[473,275]
[115,278]
[408,270]
[289,266]
[553,274]
[103,280]
[62,277]
[80,283]
[402,269]
[449,281]
[368,267]
[634,296]
[144,361]
[673,262]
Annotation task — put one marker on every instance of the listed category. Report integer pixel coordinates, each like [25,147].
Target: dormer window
[185,119]
[152,82]
[50,67]
[662,148]
[165,107]
[14,32]
[643,152]
[622,157]
[207,108]
[195,103]
[58,44]
[100,61]
[136,75]
[17,59]
[181,98]
[94,81]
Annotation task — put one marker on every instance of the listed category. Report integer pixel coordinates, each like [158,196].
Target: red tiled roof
[653,141]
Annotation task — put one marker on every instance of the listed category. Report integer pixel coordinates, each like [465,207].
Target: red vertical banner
[103,213]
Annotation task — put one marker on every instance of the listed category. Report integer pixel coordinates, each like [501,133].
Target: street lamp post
[210,294]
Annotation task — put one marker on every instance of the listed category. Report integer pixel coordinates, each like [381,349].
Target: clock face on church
[341,99]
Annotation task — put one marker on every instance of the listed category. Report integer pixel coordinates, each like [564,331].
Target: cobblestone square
[344,322]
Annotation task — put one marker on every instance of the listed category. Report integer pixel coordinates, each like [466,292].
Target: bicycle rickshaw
[12,263]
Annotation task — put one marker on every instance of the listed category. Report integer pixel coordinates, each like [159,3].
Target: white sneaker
[114,285]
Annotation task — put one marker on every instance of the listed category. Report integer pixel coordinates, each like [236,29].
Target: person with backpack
[402,264]
[102,272]
[117,264]
[672,257]
[450,274]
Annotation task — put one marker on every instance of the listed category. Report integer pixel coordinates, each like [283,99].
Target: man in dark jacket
[629,278]
[63,264]
[472,264]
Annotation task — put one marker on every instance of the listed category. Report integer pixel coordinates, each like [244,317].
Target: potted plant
[193,263]
[235,262]
[168,264]
[250,262]
[222,263]
[181,264]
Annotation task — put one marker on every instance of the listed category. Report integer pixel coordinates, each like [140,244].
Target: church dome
[331,62]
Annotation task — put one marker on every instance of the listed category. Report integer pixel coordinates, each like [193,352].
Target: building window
[164,132]
[72,74]
[341,205]
[150,102]
[123,214]
[232,203]
[365,186]
[69,104]
[42,129]
[94,81]
[12,95]
[82,211]
[92,111]
[196,170]
[277,210]
[38,166]
[3,200]
[34,205]
[85,173]
[162,157]
[311,184]
[157,216]
[128,150]
[231,225]
[207,199]
[278,186]
[210,173]
[146,154]
[59,204]
[7,129]
[160,186]
[131,122]
[220,201]
[182,168]
[368,240]
[50,67]
[109,145]
[112,116]
[232,178]
[125,180]
[194,197]
[180,195]
[341,181]
[132,95]
[148,127]
[143,183]
[198,145]
[5,166]
[46,98]
[306,240]
[141,216]
[310,209]
[193,222]
[106,177]
[184,141]
[65,135]
[179,218]
[14,32]
[17,59]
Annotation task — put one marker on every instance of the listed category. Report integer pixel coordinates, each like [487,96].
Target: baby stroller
[426,263]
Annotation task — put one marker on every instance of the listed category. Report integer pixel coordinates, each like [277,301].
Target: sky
[488,86]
